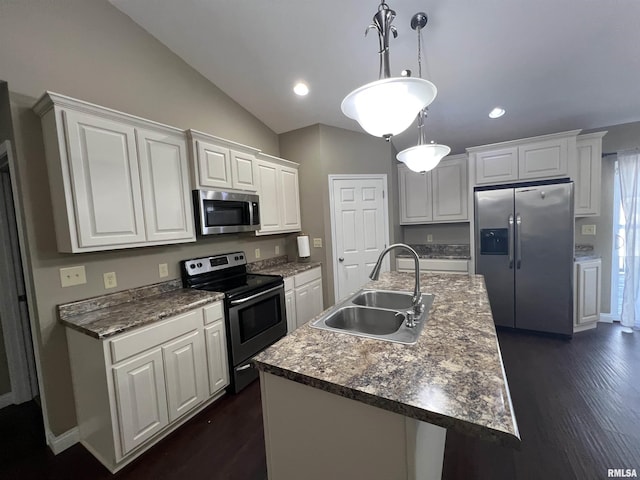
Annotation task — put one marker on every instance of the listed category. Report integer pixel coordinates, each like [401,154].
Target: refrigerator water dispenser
[494,241]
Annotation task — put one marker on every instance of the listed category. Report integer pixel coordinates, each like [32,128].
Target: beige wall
[322,151]
[89,50]
[449,233]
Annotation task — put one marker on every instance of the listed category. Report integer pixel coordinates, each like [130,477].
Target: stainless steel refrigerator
[524,247]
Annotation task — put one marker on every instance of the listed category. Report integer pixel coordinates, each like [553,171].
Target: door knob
[341,259]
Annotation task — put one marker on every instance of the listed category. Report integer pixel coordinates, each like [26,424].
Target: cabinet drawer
[289,283]
[213,312]
[306,277]
[132,343]
[434,265]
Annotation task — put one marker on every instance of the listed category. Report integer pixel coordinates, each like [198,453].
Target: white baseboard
[608,318]
[6,399]
[60,443]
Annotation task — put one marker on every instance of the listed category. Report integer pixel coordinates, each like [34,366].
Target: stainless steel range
[254,308]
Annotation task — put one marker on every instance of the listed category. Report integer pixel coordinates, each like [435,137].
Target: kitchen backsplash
[267,263]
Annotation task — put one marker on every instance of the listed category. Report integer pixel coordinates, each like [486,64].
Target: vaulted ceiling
[553,65]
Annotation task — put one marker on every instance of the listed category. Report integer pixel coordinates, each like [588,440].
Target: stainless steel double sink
[379,314]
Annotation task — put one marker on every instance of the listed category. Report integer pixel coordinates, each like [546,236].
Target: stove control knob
[237,258]
[192,266]
[199,265]
[241,257]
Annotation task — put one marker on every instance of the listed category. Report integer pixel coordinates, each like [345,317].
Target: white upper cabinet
[587,174]
[437,196]
[222,164]
[164,176]
[534,158]
[277,186]
[116,181]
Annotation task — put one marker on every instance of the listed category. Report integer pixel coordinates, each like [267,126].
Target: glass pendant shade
[423,158]
[388,107]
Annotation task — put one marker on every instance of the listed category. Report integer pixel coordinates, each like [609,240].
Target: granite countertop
[438,251]
[288,269]
[452,377]
[107,315]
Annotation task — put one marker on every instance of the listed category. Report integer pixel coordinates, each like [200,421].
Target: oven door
[255,322]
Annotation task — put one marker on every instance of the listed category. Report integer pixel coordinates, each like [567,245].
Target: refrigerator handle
[510,241]
[519,241]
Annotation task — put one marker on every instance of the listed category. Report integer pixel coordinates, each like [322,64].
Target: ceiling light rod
[382,24]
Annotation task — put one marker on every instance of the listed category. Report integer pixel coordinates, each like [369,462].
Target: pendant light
[424,156]
[387,106]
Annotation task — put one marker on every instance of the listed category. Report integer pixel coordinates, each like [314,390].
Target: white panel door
[214,165]
[360,230]
[242,171]
[267,176]
[164,176]
[496,166]
[450,189]
[141,399]
[415,196]
[184,361]
[290,199]
[544,159]
[106,185]
[217,357]
[588,292]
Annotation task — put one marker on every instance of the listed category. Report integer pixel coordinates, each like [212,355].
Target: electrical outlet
[588,229]
[163,270]
[71,276]
[257,253]
[110,280]
[317,243]
[429,238]
[277,249]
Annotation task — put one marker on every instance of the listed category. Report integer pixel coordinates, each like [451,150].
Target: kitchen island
[342,406]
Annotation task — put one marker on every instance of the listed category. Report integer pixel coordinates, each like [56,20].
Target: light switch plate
[588,229]
[277,249]
[257,253]
[317,243]
[71,276]
[163,270]
[429,238]
[110,280]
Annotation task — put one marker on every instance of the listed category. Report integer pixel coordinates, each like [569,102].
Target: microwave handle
[254,215]
[243,300]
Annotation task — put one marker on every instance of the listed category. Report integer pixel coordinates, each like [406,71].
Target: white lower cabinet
[303,297]
[134,388]
[587,294]
[441,265]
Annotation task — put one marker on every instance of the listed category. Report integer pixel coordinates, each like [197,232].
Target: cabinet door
[103,166]
[184,362]
[141,399]
[496,166]
[315,298]
[415,196]
[588,292]
[290,199]
[269,198]
[587,177]
[166,194]
[450,189]
[214,165]
[290,309]
[303,304]
[544,159]
[217,357]
[242,171]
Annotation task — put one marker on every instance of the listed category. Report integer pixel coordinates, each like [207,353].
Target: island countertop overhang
[452,377]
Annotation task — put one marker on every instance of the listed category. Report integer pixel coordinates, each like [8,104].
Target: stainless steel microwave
[225,212]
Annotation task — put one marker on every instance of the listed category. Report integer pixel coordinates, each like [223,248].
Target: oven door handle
[243,300]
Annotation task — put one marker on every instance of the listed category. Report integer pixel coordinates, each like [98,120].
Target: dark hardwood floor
[577,404]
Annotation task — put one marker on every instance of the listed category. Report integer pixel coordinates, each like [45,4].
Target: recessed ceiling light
[497,112]
[301,89]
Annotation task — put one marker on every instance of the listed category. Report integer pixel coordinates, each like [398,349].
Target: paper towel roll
[303,246]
